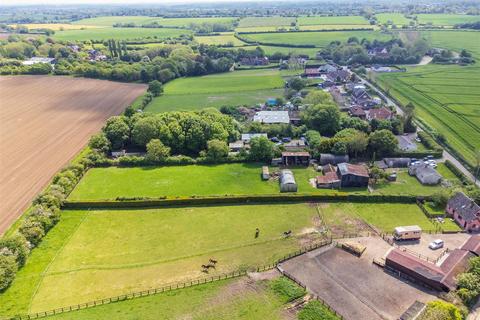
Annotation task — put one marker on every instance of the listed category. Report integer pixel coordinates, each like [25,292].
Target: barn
[352,175]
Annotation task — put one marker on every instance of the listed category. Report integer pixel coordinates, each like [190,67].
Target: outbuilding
[352,175]
[425,174]
[328,158]
[265,173]
[287,181]
[301,158]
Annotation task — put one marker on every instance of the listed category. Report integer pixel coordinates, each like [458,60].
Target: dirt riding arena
[355,287]
[44,122]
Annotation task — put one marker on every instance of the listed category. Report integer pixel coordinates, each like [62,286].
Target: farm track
[46,121]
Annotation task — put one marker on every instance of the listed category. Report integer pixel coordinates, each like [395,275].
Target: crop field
[58,26]
[118,33]
[46,121]
[109,21]
[223,39]
[98,254]
[446,19]
[321,27]
[446,96]
[266,22]
[235,299]
[238,87]
[311,52]
[318,39]
[338,20]
[396,18]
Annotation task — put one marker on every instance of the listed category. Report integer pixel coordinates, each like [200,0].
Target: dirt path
[45,121]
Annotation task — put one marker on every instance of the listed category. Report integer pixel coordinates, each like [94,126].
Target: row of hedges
[420,154]
[43,215]
[286,45]
[235,199]
[300,31]
[459,174]
[428,141]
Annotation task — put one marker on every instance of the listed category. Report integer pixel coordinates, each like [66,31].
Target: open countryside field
[235,299]
[318,39]
[311,52]
[45,122]
[238,87]
[223,39]
[216,180]
[446,96]
[58,26]
[118,34]
[266,22]
[109,21]
[98,254]
[446,19]
[335,20]
[396,18]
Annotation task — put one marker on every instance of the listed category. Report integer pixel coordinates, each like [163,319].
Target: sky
[64,2]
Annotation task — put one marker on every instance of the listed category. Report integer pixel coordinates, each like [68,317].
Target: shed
[296,158]
[265,173]
[397,162]
[328,158]
[295,145]
[246,137]
[287,181]
[425,174]
[270,117]
[236,146]
[352,175]
[329,180]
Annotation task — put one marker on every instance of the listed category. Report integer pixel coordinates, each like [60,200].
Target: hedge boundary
[459,174]
[237,199]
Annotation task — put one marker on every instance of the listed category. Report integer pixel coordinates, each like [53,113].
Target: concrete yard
[355,287]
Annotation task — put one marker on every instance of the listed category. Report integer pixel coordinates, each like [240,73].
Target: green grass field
[97,254]
[223,39]
[232,88]
[321,27]
[405,182]
[336,20]
[445,96]
[118,34]
[235,299]
[318,39]
[266,22]
[311,52]
[109,21]
[398,19]
[446,19]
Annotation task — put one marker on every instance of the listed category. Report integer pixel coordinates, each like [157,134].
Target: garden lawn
[118,34]
[405,184]
[98,254]
[446,96]
[317,39]
[385,216]
[236,299]
[336,20]
[230,88]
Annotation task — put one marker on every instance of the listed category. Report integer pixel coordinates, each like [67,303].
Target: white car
[436,244]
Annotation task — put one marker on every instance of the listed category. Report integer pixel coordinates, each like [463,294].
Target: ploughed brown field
[44,122]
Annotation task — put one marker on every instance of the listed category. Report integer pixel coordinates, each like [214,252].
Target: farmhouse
[295,158]
[287,181]
[352,175]
[328,158]
[270,117]
[465,211]
[424,173]
[379,114]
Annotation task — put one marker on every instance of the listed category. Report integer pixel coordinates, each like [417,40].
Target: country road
[446,154]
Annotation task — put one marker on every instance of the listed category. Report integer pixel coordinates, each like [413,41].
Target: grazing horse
[287,233]
[213,261]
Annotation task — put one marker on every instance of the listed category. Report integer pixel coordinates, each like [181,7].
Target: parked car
[430,157]
[286,139]
[274,139]
[436,244]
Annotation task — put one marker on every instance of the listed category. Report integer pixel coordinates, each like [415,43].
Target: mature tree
[354,122]
[217,150]
[440,198]
[155,87]
[383,142]
[339,147]
[376,174]
[325,118]
[117,131]
[8,269]
[317,97]
[356,141]
[297,83]
[145,129]
[313,138]
[261,149]
[17,246]
[441,310]
[157,151]
[100,143]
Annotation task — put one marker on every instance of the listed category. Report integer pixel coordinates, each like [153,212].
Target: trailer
[407,233]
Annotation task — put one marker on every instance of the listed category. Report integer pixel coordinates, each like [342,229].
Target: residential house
[328,158]
[359,94]
[379,114]
[300,158]
[352,175]
[472,245]
[425,173]
[316,71]
[295,117]
[236,146]
[465,211]
[338,96]
[312,72]
[339,76]
[269,117]
[287,181]
[357,111]
[254,61]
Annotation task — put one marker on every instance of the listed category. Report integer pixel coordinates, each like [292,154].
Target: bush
[157,151]
[428,141]
[32,231]
[100,143]
[438,310]
[8,269]
[17,245]
[315,310]
[132,161]
[286,289]
[459,174]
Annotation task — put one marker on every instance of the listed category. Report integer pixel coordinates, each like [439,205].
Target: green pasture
[224,39]
[398,19]
[274,21]
[232,88]
[318,39]
[446,19]
[332,20]
[118,34]
[321,27]
[311,52]
[404,183]
[97,254]
[109,21]
[235,299]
